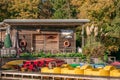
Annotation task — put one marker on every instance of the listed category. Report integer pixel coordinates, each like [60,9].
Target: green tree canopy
[23,8]
[62,9]
[3,9]
[45,9]
[96,10]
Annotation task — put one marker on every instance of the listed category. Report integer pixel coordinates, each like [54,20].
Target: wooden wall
[28,40]
[70,48]
[44,39]
[2,35]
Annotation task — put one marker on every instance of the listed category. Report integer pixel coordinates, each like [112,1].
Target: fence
[8,52]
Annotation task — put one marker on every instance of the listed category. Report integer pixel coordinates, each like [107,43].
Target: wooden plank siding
[51,41]
[72,42]
[45,40]
[28,40]
[2,35]
[38,42]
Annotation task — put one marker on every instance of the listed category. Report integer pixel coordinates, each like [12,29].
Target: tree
[3,10]
[105,14]
[23,8]
[62,9]
[112,39]
[116,20]
[45,9]
[97,10]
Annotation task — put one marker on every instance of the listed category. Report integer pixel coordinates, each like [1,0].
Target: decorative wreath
[23,43]
[66,43]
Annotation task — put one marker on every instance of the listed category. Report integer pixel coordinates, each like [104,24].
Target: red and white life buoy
[66,43]
[23,43]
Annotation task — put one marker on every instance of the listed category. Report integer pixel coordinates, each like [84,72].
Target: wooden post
[41,78]
[83,43]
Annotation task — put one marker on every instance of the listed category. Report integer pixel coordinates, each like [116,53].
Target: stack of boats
[87,69]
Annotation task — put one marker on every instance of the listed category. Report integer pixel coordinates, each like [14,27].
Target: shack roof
[46,22]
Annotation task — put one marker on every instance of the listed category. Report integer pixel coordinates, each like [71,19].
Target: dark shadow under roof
[46,22]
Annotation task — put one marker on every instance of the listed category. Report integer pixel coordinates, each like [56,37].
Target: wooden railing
[50,76]
[7,52]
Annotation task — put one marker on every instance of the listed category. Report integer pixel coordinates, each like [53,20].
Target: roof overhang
[4,25]
[46,22]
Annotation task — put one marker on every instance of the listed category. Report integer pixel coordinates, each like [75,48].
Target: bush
[49,55]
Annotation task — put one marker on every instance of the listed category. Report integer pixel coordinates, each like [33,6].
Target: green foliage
[24,55]
[49,55]
[104,13]
[45,9]
[23,9]
[62,9]
[110,35]
[3,10]
[96,10]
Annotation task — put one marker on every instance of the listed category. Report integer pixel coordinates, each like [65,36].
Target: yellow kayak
[13,64]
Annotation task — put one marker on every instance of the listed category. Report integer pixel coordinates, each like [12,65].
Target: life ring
[66,43]
[23,43]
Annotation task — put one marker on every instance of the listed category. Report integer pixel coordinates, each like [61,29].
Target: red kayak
[35,65]
[116,63]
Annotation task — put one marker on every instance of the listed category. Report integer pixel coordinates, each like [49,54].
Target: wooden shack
[49,35]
